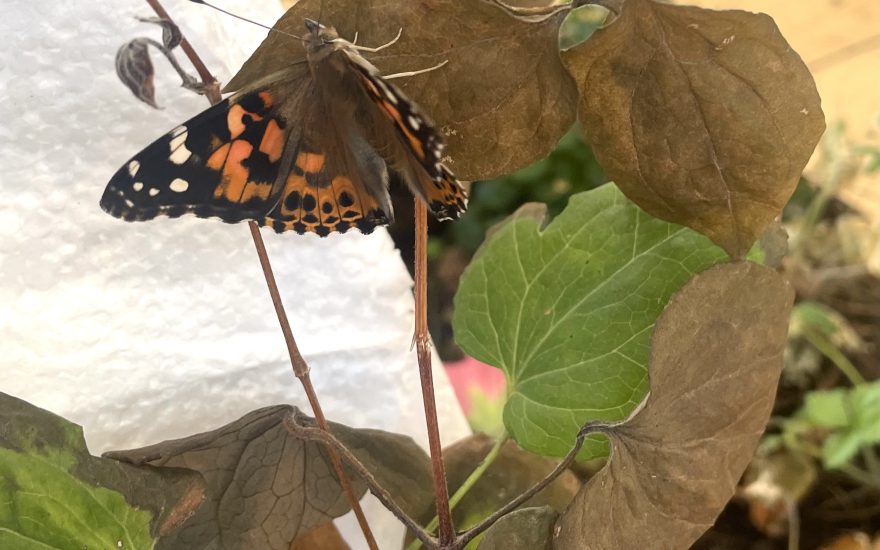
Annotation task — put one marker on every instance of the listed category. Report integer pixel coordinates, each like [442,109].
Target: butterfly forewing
[421,165]
[226,162]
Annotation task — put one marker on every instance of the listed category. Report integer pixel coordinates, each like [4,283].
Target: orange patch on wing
[447,193]
[267,99]
[235,119]
[218,158]
[414,142]
[235,175]
[370,86]
[294,184]
[256,190]
[273,141]
[310,163]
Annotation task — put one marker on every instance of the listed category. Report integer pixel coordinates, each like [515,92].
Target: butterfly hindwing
[320,196]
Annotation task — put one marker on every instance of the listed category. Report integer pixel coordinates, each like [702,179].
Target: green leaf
[839,448]
[826,409]
[53,494]
[567,311]
[853,415]
[866,404]
[815,316]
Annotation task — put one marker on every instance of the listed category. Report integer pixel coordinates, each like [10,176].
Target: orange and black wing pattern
[436,184]
[223,163]
[321,197]
[252,157]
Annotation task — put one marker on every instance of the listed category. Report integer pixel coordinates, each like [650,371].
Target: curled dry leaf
[502,101]
[135,69]
[265,487]
[716,356]
[703,118]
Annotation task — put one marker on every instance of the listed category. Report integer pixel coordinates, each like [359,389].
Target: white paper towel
[148,331]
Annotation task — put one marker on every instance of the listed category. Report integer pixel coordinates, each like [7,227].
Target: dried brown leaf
[324,537]
[715,361]
[526,529]
[703,118]
[513,472]
[265,487]
[502,101]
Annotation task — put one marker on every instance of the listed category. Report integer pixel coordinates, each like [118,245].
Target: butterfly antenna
[221,10]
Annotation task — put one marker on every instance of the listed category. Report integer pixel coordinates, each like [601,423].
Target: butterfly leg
[413,73]
[378,48]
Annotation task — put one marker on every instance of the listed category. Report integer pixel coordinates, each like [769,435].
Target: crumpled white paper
[148,331]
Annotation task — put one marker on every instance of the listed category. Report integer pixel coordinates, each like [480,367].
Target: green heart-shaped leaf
[567,311]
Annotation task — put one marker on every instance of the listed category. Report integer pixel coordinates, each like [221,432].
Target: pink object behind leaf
[469,374]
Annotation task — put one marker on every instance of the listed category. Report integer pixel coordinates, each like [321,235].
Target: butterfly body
[307,149]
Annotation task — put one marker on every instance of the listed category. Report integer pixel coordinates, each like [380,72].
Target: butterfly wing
[226,162]
[337,182]
[265,154]
[410,142]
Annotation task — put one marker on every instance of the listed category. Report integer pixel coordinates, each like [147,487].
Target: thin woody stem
[468,484]
[446,532]
[383,495]
[300,368]
[593,427]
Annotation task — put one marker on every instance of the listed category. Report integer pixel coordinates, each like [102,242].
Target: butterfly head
[319,35]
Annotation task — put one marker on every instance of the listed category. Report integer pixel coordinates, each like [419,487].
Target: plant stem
[836,356]
[300,368]
[467,485]
[301,371]
[794,524]
[446,532]
[316,434]
[585,431]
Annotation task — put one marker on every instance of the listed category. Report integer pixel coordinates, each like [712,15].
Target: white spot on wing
[386,91]
[179,185]
[177,145]
[138,185]
[133,168]
[128,203]
[414,122]
[153,192]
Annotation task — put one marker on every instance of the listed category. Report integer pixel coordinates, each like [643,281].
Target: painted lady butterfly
[307,149]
